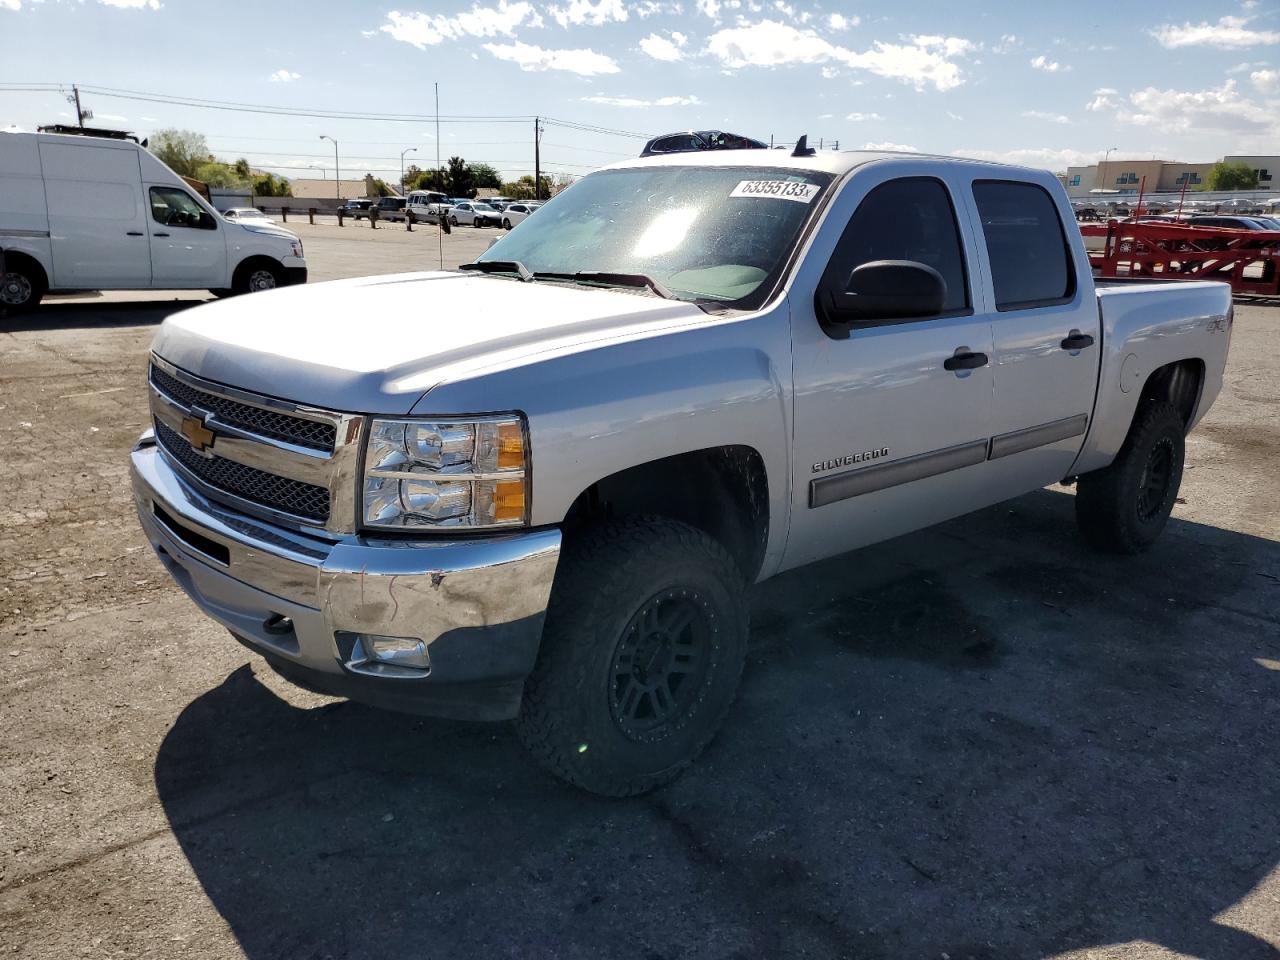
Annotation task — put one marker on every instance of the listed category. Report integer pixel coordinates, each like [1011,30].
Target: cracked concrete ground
[976,741]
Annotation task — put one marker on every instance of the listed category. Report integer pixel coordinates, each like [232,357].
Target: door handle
[1077,341]
[135,233]
[159,234]
[965,361]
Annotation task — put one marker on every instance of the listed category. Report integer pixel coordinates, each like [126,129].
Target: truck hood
[378,344]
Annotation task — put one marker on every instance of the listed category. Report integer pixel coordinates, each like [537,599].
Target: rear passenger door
[1046,329]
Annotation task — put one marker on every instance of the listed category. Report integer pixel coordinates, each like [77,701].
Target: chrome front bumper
[478,604]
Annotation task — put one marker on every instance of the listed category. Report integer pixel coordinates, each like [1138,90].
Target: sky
[1008,81]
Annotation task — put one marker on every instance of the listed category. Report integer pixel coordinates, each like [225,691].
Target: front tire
[454,221]
[1124,507]
[643,649]
[506,223]
[256,277]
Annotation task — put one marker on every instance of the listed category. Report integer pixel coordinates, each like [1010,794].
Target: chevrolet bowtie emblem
[197,433]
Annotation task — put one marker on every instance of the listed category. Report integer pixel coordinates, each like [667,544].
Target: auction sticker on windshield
[776,190]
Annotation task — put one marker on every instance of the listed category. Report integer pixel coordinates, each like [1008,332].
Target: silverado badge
[197,433]
[849,459]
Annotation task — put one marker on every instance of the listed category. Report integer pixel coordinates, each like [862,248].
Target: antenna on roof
[802,147]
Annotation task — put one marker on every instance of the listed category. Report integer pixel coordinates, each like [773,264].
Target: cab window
[176,208]
[1030,260]
[907,219]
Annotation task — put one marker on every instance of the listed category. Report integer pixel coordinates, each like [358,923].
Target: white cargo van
[85,213]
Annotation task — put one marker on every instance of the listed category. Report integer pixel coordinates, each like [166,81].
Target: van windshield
[705,233]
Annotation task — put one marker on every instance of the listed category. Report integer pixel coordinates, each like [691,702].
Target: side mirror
[883,290]
[207,222]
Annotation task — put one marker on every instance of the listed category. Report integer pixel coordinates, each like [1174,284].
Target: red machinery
[1249,260]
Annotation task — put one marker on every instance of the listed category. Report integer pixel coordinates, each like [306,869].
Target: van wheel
[253,277]
[21,287]
[1124,507]
[644,644]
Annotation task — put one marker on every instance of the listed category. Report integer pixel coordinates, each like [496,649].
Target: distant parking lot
[978,741]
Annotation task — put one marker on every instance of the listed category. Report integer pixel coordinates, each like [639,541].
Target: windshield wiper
[500,266]
[624,280]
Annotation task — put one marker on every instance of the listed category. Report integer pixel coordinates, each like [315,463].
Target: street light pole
[402,153]
[1105,158]
[337,176]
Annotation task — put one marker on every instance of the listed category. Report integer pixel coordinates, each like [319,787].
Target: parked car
[91,213]
[1228,222]
[357,209]
[246,215]
[429,206]
[516,211]
[692,140]
[692,374]
[393,209]
[500,203]
[475,213]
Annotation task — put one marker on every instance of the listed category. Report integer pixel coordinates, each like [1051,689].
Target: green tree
[182,151]
[381,187]
[484,175]
[460,178]
[522,189]
[217,174]
[267,185]
[426,180]
[1232,176]
[242,169]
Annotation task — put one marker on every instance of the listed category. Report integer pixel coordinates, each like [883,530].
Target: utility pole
[79,112]
[439,185]
[337,176]
[537,159]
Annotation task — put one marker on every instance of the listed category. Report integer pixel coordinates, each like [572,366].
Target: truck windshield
[704,233]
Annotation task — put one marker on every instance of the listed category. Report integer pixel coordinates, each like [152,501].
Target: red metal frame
[1249,260]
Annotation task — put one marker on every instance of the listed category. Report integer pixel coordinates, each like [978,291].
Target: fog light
[389,656]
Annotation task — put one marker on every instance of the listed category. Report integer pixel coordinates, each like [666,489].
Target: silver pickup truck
[541,487]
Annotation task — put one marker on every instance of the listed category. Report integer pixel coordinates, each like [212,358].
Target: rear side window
[907,219]
[1030,260]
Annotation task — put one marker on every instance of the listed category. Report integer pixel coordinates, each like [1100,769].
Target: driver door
[888,439]
[188,244]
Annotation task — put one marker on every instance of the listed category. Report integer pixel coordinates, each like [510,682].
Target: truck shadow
[979,741]
[60,314]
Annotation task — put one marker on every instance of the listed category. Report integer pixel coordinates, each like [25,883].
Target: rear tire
[454,221]
[1124,507]
[506,223]
[21,286]
[643,649]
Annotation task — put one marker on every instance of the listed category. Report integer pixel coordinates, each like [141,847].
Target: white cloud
[838,21]
[1266,82]
[111,117]
[1044,115]
[284,76]
[889,147]
[423,30]
[1048,66]
[954,116]
[11,5]
[1223,109]
[1228,33]
[662,48]
[860,117]
[585,63]
[633,102]
[131,4]
[580,12]
[1103,99]
[924,60]
[1006,43]
[1043,158]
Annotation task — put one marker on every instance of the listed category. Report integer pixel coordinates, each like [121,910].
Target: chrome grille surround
[259,462]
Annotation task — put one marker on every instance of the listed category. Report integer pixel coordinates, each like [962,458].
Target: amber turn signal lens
[510,447]
[508,500]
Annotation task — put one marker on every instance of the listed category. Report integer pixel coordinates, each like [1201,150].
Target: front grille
[277,493]
[266,423]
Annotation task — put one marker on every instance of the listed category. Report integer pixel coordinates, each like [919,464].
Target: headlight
[297,248]
[446,473]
